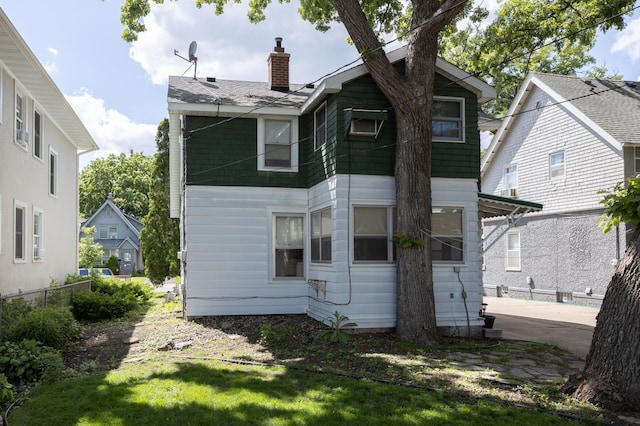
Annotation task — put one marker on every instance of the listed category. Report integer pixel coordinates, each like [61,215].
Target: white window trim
[272,212]
[1,91]
[636,158]
[54,175]
[40,258]
[0,212]
[506,257]
[352,235]
[462,118]
[294,143]
[41,143]
[564,165]
[108,234]
[464,236]
[317,146]
[19,204]
[25,118]
[320,209]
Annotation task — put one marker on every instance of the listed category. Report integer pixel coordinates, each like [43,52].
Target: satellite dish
[192,51]
[192,57]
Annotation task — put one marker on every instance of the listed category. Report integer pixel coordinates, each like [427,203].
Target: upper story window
[447,236]
[373,229]
[320,126]
[448,119]
[108,232]
[278,144]
[510,181]
[556,165]
[21,135]
[321,235]
[37,135]
[53,172]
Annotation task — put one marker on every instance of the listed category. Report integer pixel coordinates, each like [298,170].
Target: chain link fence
[12,305]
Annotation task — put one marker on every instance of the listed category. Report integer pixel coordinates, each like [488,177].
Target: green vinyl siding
[223,152]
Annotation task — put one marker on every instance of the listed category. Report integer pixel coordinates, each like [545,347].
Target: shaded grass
[209,392]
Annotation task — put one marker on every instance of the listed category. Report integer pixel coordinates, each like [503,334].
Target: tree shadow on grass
[188,393]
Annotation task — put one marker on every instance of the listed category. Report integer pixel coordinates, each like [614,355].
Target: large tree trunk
[611,377]
[411,96]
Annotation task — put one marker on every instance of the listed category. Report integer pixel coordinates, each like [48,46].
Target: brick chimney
[278,68]
[110,197]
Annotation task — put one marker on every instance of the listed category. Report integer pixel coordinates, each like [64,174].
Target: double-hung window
[320,126]
[556,165]
[288,246]
[278,144]
[37,135]
[448,119]
[20,232]
[510,181]
[373,229]
[447,235]
[108,232]
[513,251]
[21,135]
[321,235]
[38,249]
[53,172]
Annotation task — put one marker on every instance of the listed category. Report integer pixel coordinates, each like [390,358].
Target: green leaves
[622,204]
[336,332]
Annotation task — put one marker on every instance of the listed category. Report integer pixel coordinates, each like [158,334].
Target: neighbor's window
[53,172]
[20,119]
[636,152]
[320,125]
[37,135]
[513,251]
[321,235]
[373,229]
[447,236]
[556,165]
[20,231]
[448,120]
[108,232]
[38,250]
[288,246]
[278,144]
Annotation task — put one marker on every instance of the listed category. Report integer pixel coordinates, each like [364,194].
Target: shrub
[109,298]
[28,361]
[51,326]
[113,264]
[14,310]
[6,394]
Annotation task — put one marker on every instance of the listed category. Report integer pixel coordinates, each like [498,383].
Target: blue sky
[119,89]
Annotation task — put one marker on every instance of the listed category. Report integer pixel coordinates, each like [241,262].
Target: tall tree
[160,237]
[126,177]
[612,370]
[411,95]
[529,35]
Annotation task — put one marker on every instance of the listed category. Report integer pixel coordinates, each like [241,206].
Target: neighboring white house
[119,235]
[40,140]
[286,195]
[564,139]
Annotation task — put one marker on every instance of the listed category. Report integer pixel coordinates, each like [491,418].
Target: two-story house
[41,138]
[286,195]
[119,235]
[563,140]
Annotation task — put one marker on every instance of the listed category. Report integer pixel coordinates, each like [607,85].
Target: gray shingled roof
[186,90]
[612,104]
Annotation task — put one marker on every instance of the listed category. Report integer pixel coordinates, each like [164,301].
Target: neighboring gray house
[41,138]
[119,235]
[563,140]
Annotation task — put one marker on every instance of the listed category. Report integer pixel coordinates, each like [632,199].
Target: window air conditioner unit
[22,137]
[509,192]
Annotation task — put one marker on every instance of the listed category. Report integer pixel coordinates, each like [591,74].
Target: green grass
[186,392]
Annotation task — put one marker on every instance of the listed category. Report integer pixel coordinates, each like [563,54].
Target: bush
[14,310]
[113,264]
[27,361]
[109,298]
[6,394]
[51,326]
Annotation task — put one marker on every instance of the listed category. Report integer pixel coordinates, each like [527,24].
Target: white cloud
[51,67]
[113,132]
[53,51]
[628,40]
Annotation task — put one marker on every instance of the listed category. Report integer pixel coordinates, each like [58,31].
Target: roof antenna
[192,57]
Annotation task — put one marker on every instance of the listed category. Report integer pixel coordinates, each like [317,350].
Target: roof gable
[609,108]
[132,223]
